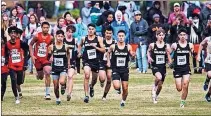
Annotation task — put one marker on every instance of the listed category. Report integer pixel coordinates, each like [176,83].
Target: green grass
[138,103]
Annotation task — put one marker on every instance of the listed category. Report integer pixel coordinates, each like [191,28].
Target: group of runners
[102,57]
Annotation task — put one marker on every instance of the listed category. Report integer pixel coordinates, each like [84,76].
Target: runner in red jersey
[40,57]
[18,54]
[4,69]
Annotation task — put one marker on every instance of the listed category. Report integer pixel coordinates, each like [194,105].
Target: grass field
[138,103]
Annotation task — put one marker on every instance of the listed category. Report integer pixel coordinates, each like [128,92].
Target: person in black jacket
[107,23]
[155,9]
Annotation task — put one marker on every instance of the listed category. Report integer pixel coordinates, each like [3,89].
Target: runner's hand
[108,64]
[33,59]
[150,60]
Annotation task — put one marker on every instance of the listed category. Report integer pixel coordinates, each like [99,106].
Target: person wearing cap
[85,12]
[18,52]
[138,35]
[155,9]
[153,28]
[4,8]
[173,15]
[181,72]
[30,12]
[39,11]
[205,12]
[22,16]
[195,31]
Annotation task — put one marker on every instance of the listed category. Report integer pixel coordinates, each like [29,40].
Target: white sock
[122,101]
[58,99]
[47,90]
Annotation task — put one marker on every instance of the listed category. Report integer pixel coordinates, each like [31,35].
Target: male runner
[93,45]
[206,41]
[157,55]
[182,50]
[119,64]
[40,57]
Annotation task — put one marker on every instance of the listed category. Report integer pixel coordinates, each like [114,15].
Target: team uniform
[103,56]
[119,63]
[159,57]
[181,60]
[4,71]
[41,51]
[91,55]
[71,45]
[59,64]
[208,58]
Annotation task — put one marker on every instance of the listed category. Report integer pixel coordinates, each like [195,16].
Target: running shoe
[86,99]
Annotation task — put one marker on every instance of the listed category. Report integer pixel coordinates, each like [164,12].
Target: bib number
[2,61]
[58,61]
[181,60]
[41,52]
[71,53]
[92,54]
[120,61]
[16,58]
[160,59]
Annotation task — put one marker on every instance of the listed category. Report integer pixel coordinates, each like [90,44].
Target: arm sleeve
[25,48]
[6,54]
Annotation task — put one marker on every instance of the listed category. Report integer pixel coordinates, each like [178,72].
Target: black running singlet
[59,59]
[103,56]
[90,53]
[120,58]
[159,55]
[181,57]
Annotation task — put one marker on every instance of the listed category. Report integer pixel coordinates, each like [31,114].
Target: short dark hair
[91,25]
[20,31]
[72,27]
[182,30]
[160,31]
[12,29]
[109,28]
[66,13]
[45,23]
[59,32]
[121,31]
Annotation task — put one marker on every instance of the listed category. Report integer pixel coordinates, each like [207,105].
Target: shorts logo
[176,75]
[114,73]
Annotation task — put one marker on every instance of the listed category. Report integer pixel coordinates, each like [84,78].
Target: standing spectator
[109,20]
[4,8]
[22,16]
[155,9]
[125,15]
[207,30]
[4,23]
[30,32]
[177,10]
[39,11]
[69,20]
[106,7]
[81,29]
[14,15]
[177,24]
[60,25]
[205,12]
[12,22]
[153,28]
[194,6]
[85,12]
[95,13]
[39,29]
[130,7]
[138,34]
[30,12]
[119,24]
[195,31]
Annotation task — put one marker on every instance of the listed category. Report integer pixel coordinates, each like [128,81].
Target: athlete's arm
[201,47]
[102,48]
[6,54]
[68,55]
[33,41]
[133,54]
[173,47]
[80,46]
[25,48]
[168,51]
[151,46]
[191,48]
[50,51]
[109,53]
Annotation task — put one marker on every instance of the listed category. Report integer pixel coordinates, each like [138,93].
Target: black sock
[207,80]
[104,95]
[118,89]
[208,94]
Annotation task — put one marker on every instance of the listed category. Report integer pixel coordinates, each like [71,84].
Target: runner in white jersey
[206,41]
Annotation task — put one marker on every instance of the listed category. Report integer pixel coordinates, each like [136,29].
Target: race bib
[92,54]
[160,59]
[181,60]
[58,62]
[41,52]
[208,59]
[120,61]
[2,61]
[71,53]
[16,58]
